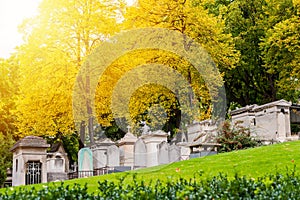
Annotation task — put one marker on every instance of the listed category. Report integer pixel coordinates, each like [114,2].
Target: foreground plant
[277,186]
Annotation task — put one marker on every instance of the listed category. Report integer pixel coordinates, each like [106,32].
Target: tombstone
[181,137]
[185,152]
[85,162]
[57,163]
[152,140]
[163,153]
[113,156]
[29,161]
[122,155]
[126,146]
[140,157]
[174,153]
[193,131]
[100,153]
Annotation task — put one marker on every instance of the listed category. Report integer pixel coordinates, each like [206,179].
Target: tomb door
[33,172]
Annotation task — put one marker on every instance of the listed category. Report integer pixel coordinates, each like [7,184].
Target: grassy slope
[252,163]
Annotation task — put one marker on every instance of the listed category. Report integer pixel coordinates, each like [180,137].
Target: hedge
[276,186]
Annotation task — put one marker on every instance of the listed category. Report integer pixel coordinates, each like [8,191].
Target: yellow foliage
[56,44]
[59,39]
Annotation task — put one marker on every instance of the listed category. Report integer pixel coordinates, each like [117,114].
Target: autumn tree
[56,43]
[191,19]
[148,101]
[9,86]
[8,91]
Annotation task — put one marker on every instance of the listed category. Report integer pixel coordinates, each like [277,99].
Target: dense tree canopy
[251,23]
[281,52]
[56,43]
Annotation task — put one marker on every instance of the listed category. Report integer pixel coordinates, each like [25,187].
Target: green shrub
[234,137]
[276,186]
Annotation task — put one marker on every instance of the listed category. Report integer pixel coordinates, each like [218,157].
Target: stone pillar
[281,126]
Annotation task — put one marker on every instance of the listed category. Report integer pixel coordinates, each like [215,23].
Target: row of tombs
[35,161]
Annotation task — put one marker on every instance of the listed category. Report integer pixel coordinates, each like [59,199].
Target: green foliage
[281,50]
[70,143]
[275,186]
[6,142]
[243,20]
[235,137]
[8,91]
[265,32]
[113,131]
[61,192]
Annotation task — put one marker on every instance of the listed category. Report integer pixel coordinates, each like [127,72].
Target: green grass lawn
[252,163]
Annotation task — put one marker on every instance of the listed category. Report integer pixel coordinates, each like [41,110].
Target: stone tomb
[105,154]
[174,153]
[126,146]
[152,141]
[113,156]
[57,163]
[201,140]
[140,154]
[29,161]
[163,153]
[184,152]
[269,122]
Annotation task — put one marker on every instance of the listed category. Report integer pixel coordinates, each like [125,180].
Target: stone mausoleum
[35,162]
[272,122]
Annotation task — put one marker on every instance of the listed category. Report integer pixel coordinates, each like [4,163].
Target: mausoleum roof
[31,141]
[281,102]
[103,142]
[255,108]
[54,147]
[128,138]
[248,108]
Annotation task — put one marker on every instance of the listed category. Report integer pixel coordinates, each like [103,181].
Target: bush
[234,137]
[220,187]
[6,142]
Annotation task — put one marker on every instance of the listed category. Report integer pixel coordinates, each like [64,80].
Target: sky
[12,13]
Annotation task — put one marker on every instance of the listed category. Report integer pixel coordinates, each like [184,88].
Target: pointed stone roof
[128,138]
[104,142]
[159,132]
